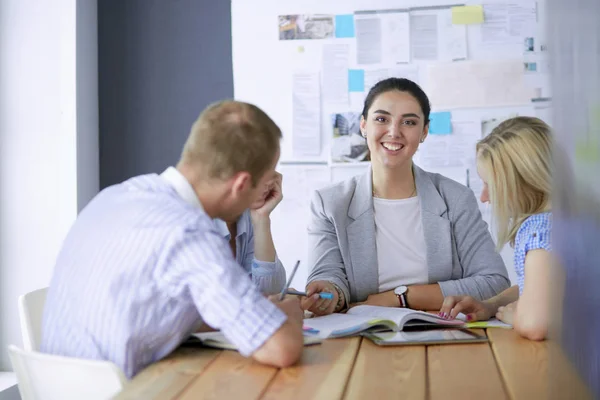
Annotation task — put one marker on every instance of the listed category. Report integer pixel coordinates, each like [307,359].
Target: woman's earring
[364,134]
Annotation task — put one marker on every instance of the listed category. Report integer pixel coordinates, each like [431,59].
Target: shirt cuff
[262,268]
[258,319]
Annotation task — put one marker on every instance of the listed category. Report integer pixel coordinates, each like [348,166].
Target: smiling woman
[399,236]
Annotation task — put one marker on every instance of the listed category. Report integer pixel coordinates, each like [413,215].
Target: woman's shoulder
[450,190]
[338,190]
[535,228]
[536,223]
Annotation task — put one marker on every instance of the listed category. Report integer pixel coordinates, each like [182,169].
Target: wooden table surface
[508,367]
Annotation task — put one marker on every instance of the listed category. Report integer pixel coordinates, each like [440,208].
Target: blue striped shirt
[268,276]
[139,271]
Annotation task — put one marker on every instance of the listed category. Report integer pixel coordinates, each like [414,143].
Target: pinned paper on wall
[306,117]
[440,123]
[344,26]
[433,36]
[466,15]
[382,37]
[459,85]
[335,75]
[456,150]
[356,80]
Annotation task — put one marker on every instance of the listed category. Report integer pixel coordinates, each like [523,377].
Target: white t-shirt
[401,251]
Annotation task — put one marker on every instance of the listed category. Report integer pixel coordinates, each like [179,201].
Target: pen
[323,295]
[287,285]
[468,179]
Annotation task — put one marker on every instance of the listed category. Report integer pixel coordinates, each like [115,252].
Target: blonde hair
[230,137]
[517,158]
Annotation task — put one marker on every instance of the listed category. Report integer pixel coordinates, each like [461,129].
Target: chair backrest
[31,310]
[48,377]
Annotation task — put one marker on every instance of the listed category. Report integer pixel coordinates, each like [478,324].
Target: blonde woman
[514,164]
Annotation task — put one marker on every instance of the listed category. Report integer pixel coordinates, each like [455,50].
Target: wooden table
[354,368]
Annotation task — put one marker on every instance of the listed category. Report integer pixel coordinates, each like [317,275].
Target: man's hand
[475,310]
[290,305]
[319,306]
[272,196]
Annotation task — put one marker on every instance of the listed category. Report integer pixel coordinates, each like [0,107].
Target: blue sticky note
[356,80]
[344,26]
[440,123]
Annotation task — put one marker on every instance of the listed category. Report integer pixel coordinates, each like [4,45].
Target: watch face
[400,290]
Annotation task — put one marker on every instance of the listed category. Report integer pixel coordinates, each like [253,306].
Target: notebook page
[399,315]
[328,324]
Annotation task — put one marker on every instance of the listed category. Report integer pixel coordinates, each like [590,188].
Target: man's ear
[241,183]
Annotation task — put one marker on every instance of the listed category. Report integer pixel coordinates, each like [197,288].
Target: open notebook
[363,318]
[219,341]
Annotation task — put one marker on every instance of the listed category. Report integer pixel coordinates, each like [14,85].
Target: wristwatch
[341,300]
[401,292]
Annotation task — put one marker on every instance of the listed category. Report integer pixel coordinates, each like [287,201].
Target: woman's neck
[397,183]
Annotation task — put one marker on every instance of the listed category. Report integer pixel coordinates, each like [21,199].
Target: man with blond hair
[144,265]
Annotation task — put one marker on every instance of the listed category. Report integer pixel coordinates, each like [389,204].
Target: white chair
[31,309]
[48,377]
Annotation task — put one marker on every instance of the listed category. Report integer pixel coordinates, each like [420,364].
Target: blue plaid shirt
[533,234]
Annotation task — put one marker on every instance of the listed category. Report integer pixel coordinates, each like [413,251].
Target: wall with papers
[310,63]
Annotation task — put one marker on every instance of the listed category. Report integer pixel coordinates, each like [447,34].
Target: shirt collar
[181,185]
[242,226]
[222,228]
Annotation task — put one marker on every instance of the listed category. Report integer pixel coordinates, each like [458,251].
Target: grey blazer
[461,255]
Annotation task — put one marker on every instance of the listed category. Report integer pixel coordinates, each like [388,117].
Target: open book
[367,318]
[219,341]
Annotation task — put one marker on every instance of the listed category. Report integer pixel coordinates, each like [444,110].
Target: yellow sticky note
[463,15]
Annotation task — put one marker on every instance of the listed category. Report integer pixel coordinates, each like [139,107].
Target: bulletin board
[310,63]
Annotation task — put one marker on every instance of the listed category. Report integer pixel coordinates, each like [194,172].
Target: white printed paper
[424,36]
[454,150]
[375,75]
[433,37]
[396,37]
[368,39]
[382,37]
[471,84]
[335,73]
[306,108]
[454,38]
[508,22]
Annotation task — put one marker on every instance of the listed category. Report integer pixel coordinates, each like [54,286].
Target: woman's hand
[507,314]
[475,310]
[317,305]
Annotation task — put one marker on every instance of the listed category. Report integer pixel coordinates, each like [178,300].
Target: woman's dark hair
[402,85]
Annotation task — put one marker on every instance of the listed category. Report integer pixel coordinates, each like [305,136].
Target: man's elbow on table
[284,348]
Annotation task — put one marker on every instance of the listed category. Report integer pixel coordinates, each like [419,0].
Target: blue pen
[323,295]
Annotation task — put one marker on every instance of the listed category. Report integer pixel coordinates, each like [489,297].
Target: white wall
[39,141]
